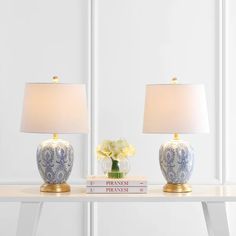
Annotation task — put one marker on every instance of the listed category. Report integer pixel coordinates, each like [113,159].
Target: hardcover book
[128,181]
[116,190]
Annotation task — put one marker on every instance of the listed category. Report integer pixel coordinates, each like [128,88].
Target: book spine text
[116,183]
[116,190]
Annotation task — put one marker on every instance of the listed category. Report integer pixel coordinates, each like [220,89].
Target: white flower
[116,150]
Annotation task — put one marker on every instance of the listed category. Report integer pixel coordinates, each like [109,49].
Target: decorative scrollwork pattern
[55,160]
[176,160]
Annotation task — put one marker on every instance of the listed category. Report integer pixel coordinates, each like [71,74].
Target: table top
[31,193]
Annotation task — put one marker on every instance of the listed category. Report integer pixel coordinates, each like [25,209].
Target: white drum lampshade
[175,108]
[54,108]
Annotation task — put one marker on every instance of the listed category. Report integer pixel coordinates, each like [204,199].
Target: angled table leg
[216,218]
[28,218]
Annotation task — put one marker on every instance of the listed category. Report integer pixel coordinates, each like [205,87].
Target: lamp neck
[174,80]
[55,136]
[176,136]
[55,79]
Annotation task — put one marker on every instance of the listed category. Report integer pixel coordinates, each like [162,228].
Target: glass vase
[115,169]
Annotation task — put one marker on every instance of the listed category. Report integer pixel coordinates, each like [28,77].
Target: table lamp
[54,108]
[176,109]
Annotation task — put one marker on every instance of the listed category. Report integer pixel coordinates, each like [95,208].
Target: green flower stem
[115,170]
[115,165]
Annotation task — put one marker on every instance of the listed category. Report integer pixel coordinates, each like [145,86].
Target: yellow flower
[116,150]
[105,149]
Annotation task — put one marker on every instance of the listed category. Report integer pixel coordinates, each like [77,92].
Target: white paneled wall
[39,39]
[230,108]
[151,219]
[140,42]
[147,41]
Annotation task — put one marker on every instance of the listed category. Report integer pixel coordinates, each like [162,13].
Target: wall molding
[223,90]
[227,179]
[91,208]
[220,100]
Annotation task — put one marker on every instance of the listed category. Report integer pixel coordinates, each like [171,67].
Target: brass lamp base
[177,188]
[55,188]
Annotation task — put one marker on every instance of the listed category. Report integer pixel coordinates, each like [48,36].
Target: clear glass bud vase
[115,169]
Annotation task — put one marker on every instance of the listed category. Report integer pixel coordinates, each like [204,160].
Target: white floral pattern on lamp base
[55,160]
[176,160]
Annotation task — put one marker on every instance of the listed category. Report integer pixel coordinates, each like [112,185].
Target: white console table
[213,200]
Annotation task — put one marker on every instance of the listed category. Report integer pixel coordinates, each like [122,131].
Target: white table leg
[28,218]
[216,218]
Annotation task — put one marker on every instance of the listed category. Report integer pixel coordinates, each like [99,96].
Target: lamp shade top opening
[175,108]
[54,108]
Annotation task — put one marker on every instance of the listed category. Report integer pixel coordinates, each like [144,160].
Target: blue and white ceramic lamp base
[55,161]
[176,161]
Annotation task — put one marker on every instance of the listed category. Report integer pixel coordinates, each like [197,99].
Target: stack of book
[96,184]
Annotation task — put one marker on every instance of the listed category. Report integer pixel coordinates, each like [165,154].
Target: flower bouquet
[115,157]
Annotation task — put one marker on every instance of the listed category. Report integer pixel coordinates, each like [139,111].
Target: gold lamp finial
[55,79]
[174,80]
